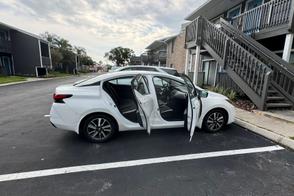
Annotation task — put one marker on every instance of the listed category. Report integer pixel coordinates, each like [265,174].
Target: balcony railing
[46,61]
[268,15]
[5,46]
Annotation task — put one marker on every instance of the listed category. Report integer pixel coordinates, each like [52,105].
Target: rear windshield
[171,71]
[88,82]
[139,69]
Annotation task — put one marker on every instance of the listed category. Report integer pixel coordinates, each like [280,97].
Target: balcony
[5,46]
[46,61]
[271,16]
[160,56]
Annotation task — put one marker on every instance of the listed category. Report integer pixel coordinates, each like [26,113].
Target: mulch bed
[245,104]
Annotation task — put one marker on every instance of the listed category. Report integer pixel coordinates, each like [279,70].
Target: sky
[100,25]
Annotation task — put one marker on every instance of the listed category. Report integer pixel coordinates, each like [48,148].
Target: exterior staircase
[262,75]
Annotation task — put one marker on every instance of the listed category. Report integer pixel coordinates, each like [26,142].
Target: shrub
[231,94]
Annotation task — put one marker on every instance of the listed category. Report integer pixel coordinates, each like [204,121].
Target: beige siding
[177,57]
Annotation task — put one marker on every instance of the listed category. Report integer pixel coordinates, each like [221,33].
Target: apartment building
[22,52]
[246,45]
[176,53]
[156,52]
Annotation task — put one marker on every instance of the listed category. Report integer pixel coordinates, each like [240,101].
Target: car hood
[216,95]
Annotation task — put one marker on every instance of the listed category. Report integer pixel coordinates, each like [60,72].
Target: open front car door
[144,101]
[193,106]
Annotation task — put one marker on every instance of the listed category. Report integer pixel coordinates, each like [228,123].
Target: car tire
[215,120]
[98,128]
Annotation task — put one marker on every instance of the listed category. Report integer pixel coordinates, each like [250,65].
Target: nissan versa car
[132,100]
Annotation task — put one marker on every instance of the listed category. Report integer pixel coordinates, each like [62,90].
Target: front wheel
[98,128]
[215,120]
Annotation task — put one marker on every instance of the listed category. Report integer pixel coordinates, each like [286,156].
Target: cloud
[99,25]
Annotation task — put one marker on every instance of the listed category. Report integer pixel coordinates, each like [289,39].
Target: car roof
[146,66]
[112,75]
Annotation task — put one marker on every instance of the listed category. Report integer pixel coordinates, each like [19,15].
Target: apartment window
[4,35]
[173,46]
[291,58]
[236,11]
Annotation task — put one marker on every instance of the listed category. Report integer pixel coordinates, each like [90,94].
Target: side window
[141,85]
[122,81]
[169,84]
[146,69]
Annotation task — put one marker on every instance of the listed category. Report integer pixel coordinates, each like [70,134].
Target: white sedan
[137,100]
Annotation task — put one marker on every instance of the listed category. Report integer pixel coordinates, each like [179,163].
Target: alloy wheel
[215,121]
[99,128]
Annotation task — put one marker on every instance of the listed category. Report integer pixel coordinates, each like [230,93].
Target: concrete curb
[274,116]
[280,139]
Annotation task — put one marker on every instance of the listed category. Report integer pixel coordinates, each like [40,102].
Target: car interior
[171,95]
[121,93]
[172,98]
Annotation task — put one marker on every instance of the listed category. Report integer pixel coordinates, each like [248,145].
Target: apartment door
[209,69]
[251,4]
[252,23]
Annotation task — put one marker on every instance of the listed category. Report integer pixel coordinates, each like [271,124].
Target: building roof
[158,43]
[22,31]
[212,8]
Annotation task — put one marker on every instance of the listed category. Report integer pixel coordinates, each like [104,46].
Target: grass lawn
[52,74]
[9,79]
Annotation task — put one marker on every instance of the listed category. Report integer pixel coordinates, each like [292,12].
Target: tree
[119,55]
[86,60]
[64,55]
[80,51]
[64,44]
[56,56]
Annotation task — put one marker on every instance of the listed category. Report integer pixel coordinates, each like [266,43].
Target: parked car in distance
[168,70]
[121,101]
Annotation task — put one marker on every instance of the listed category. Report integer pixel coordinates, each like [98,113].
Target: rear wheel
[98,128]
[215,120]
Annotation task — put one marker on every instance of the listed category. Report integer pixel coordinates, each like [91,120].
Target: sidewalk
[278,126]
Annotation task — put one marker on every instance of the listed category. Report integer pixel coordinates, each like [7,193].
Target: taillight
[58,98]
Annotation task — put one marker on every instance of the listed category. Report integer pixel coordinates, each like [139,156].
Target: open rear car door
[193,106]
[144,101]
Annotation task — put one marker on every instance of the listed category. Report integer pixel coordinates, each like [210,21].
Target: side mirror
[203,94]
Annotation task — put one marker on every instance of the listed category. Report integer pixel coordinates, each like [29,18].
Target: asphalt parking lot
[29,143]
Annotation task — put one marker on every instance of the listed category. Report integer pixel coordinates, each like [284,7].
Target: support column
[40,53]
[216,72]
[196,65]
[49,49]
[288,46]
[187,61]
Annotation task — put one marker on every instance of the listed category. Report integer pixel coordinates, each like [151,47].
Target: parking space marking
[131,163]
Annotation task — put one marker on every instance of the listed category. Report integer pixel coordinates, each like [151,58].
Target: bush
[231,94]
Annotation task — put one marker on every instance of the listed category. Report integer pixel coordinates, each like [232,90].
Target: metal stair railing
[283,73]
[251,74]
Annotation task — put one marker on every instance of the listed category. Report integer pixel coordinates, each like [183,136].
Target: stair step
[278,105]
[275,98]
[272,92]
